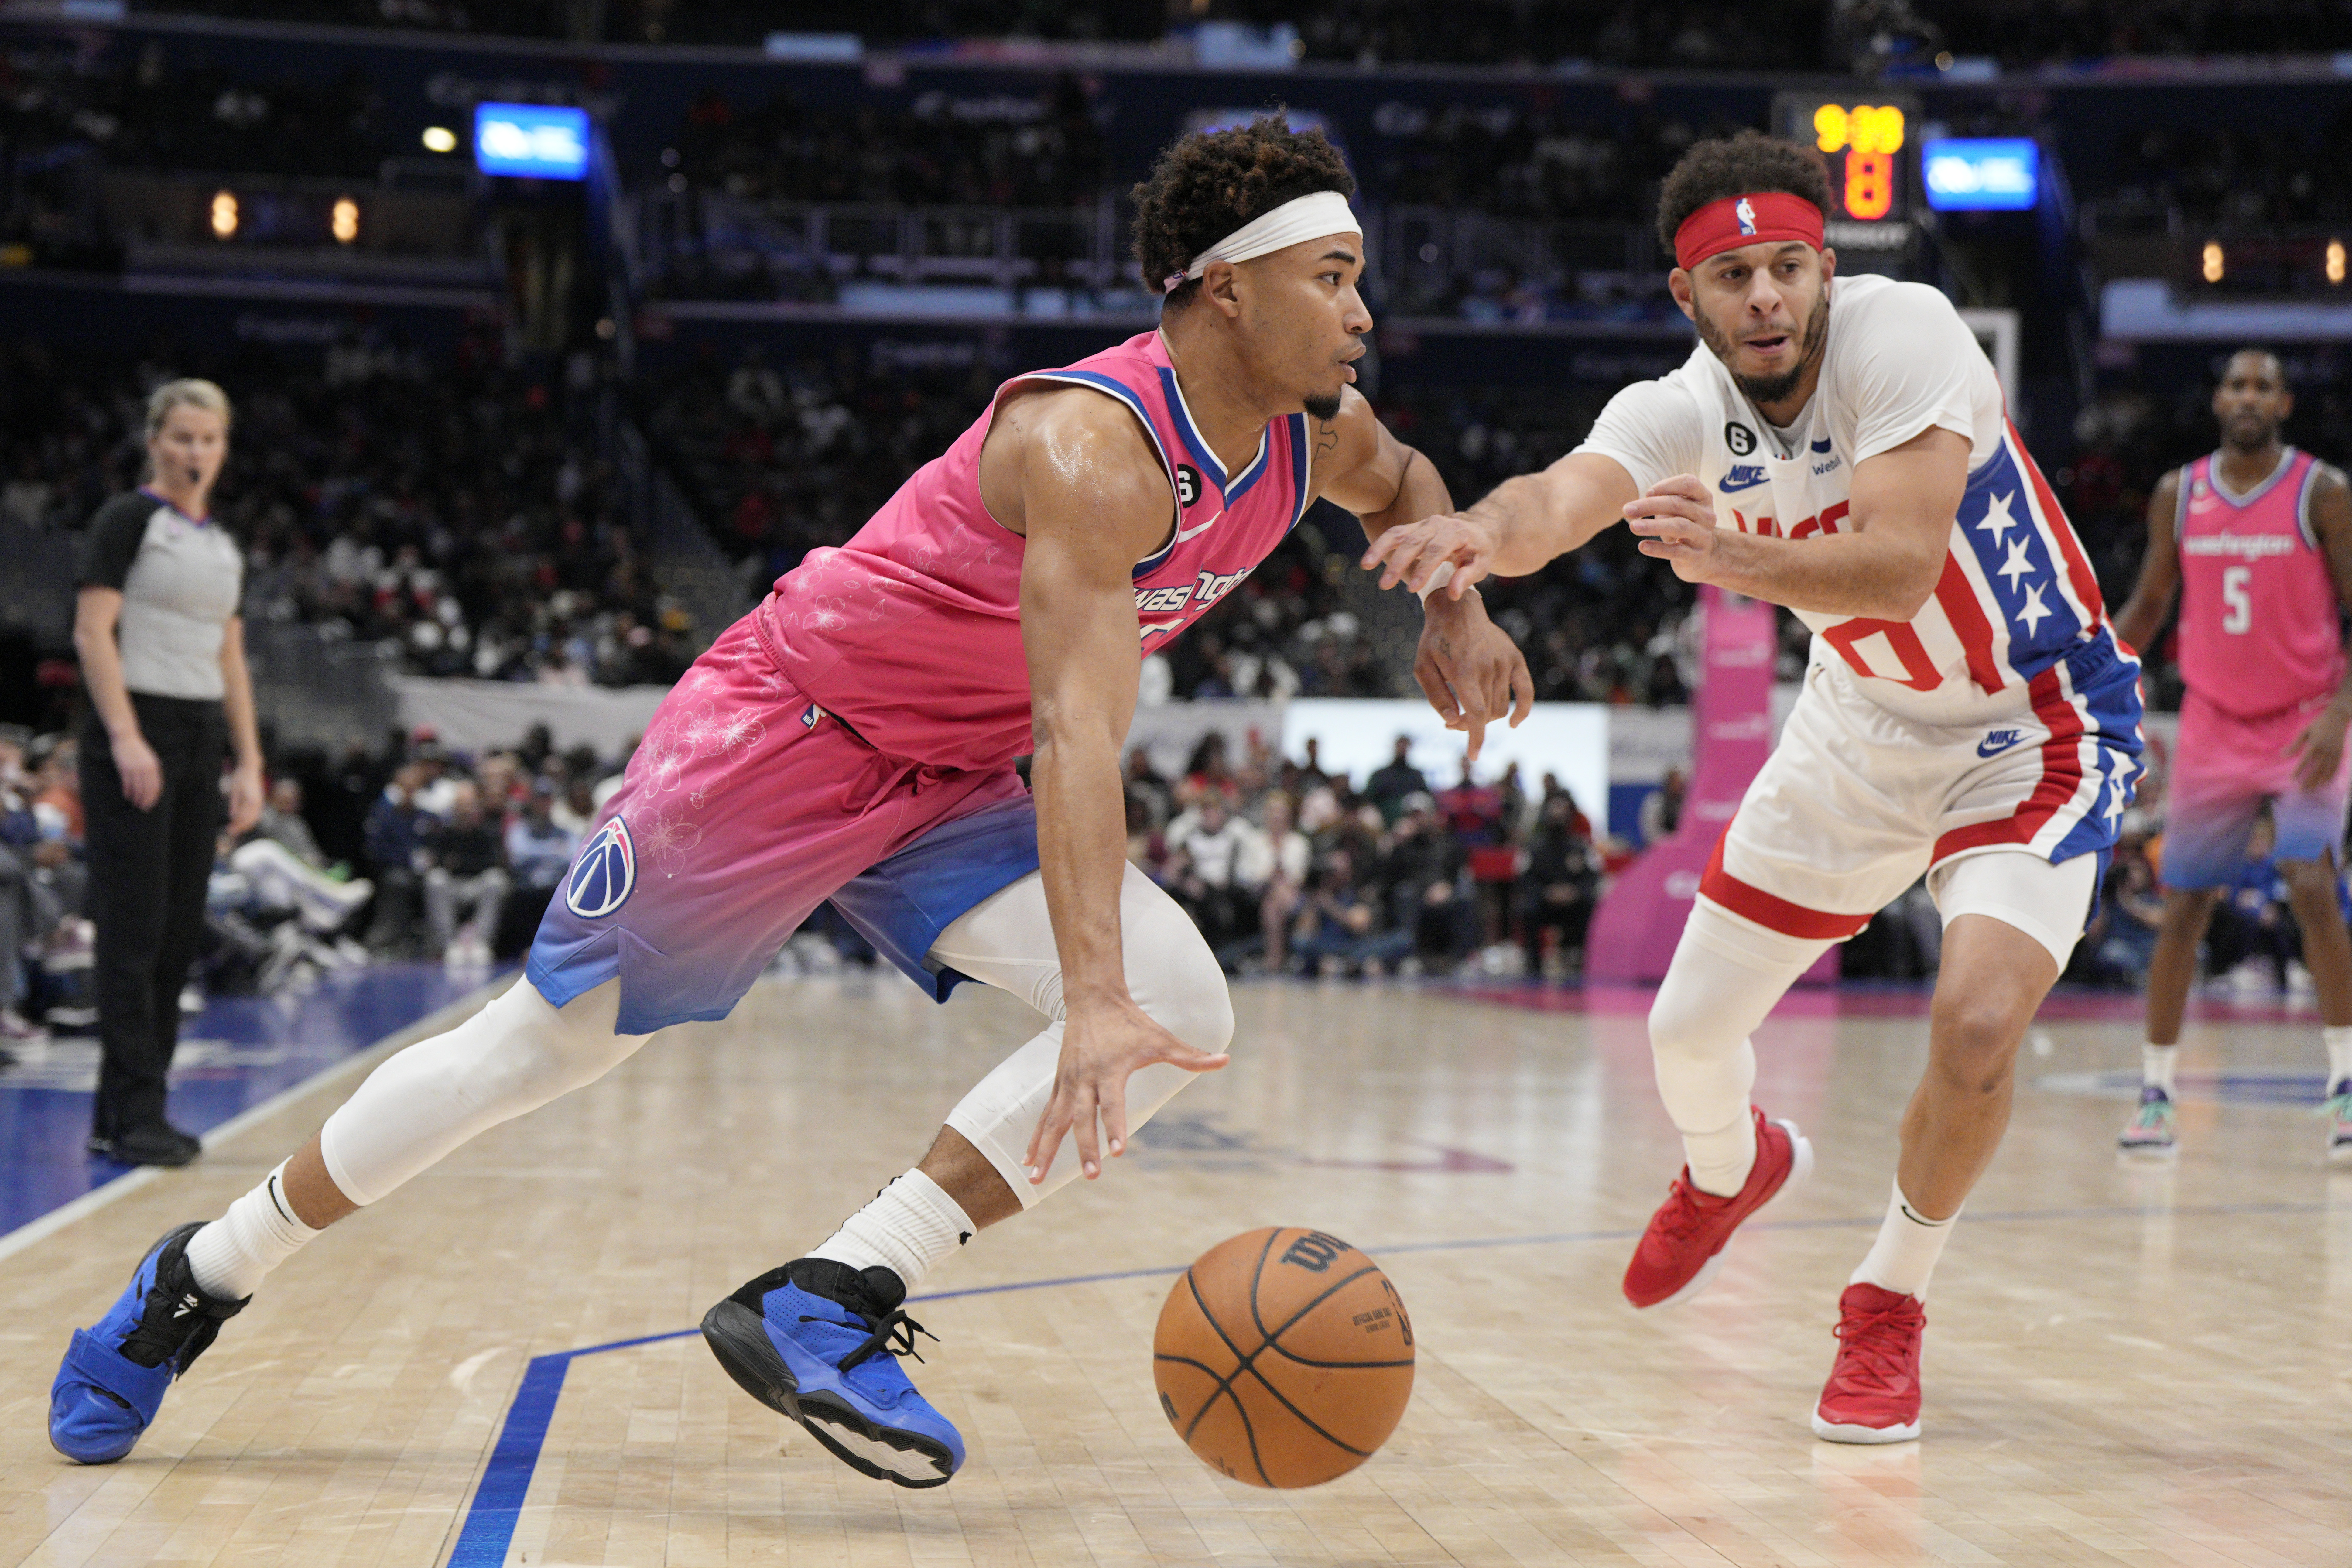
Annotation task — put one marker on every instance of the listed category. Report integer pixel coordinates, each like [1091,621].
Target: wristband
[1438,579]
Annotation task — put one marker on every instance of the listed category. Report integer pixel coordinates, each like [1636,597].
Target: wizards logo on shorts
[605,874]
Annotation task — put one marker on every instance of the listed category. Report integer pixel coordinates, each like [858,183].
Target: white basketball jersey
[2017,593]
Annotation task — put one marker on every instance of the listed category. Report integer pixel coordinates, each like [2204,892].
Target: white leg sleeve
[513,1055]
[1007,940]
[1727,974]
[2049,903]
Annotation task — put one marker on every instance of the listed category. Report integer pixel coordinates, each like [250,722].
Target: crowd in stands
[2029,33]
[179,105]
[1003,151]
[1802,34]
[413,850]
[1288,868]
[462,514]
[2237,178]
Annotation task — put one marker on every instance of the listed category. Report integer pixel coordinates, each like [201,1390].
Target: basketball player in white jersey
[2256,539]
[1838,446]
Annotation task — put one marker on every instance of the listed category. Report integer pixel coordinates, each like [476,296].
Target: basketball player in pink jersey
[853,740]
[2256,539]
[1838,446]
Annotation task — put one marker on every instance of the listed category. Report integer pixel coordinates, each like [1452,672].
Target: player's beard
[1766,389]
[1320,407]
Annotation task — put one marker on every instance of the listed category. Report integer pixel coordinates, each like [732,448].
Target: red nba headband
[1753,219]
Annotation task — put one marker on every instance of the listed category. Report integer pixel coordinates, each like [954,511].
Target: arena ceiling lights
[532,140]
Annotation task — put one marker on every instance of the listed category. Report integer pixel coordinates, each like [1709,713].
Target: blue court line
[497,1507]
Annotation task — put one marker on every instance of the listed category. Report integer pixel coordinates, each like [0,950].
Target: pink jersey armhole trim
[1130,401]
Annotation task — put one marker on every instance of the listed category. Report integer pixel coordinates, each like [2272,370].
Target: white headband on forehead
[1292,223]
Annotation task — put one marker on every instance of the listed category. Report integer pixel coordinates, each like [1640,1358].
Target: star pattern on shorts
[2119,790]
[1997,520]
[2017,566]
[2033,612]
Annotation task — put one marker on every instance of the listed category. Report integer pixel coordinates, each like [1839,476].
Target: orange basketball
[1282,1357]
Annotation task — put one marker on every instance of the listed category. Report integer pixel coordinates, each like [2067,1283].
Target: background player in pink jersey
[853,740]
[1839,446]
[2256,540]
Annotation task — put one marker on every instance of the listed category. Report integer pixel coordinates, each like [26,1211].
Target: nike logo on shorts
[2000,741]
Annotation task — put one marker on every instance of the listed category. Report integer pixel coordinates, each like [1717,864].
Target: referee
[163,653]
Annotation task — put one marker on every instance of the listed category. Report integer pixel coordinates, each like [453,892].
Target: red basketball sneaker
[1872,1395]
[1684,1246]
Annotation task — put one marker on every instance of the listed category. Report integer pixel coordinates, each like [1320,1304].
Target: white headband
[1292,223]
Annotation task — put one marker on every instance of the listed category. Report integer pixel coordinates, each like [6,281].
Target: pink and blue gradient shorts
[744,808]
[2225,769]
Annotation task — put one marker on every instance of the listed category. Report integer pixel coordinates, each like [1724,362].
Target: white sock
[1720,1160]
[910,1225]
[2339,1054]
[1905,1251]
[231,1256]
[2156,1063]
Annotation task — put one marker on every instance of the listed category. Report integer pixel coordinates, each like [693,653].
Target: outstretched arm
[2143,613]
[1883,565]
[1469,668]
[1523,523]
[1093,500]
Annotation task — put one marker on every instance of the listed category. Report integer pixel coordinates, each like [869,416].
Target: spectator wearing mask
[161,643]
[465,878]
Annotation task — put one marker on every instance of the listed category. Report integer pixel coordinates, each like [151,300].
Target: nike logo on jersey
[1184,533]
[1743,476]
[2000,741]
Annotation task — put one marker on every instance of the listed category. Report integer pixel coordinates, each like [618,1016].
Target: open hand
[2319,749]
[1413,553]
[1676,523]
[142,774]
[1101,1046]
[245,795]
[1470,670]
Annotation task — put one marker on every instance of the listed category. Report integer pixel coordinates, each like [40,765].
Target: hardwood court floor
[2125,1365]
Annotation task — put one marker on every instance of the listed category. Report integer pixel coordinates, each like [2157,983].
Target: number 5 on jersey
[2241,616]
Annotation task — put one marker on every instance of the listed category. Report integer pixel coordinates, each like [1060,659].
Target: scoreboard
[1865,140]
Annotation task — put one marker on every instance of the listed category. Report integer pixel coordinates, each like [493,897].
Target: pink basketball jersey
[911,631]
[2258,607]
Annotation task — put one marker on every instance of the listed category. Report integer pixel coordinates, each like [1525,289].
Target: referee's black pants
[148,870]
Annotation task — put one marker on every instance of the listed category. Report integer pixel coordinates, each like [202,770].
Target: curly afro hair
[1737,167]
[1208,183]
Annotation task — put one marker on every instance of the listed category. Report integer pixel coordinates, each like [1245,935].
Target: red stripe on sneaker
[1771,910]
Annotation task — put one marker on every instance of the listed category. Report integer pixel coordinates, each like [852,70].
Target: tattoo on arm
[1327,438]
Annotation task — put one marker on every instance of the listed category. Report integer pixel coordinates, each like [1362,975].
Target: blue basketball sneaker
[116,1371]
[819,1340]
